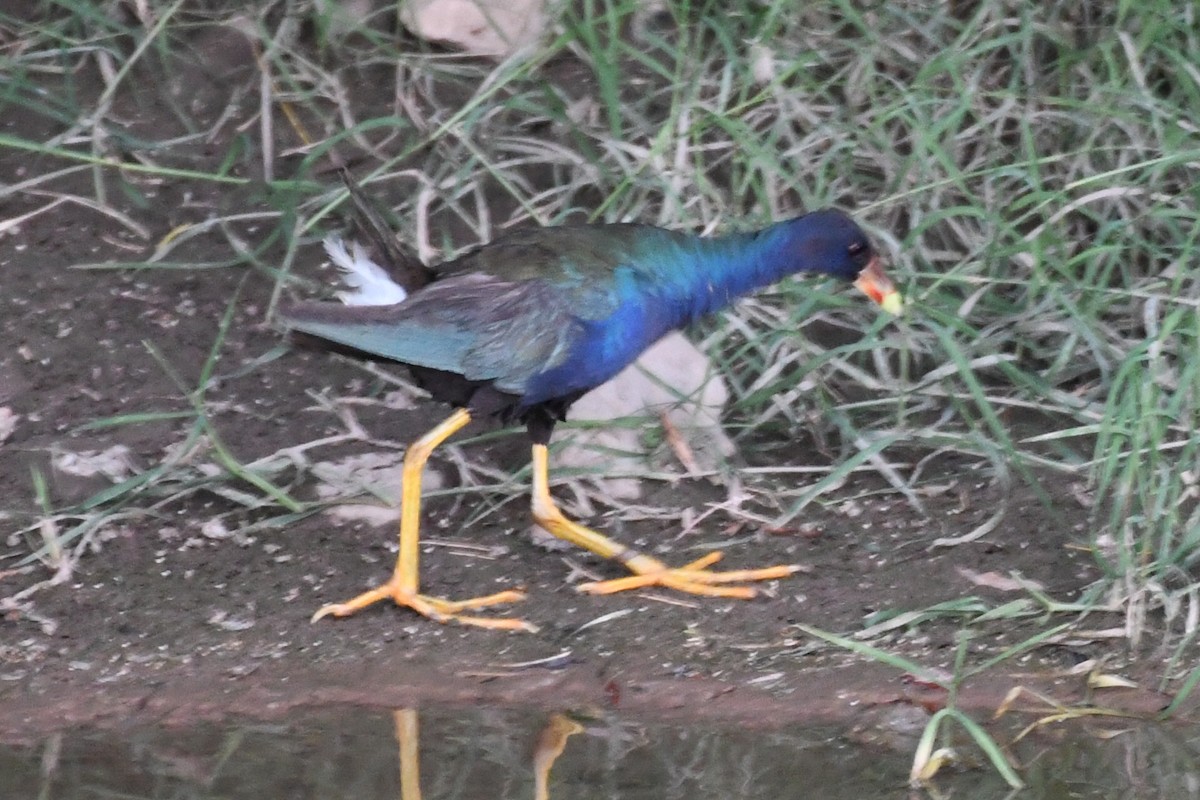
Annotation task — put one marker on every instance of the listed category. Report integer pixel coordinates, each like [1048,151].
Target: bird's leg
[402,587]
[550,745]
[408,742]
[694,578]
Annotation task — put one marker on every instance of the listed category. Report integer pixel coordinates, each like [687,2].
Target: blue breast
[605,347]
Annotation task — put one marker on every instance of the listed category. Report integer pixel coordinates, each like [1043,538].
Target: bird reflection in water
[549,746]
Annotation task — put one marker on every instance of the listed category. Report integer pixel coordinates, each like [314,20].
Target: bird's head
[831,242]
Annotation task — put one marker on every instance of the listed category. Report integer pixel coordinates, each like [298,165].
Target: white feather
[369,284]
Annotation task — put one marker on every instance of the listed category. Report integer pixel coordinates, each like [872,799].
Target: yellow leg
[403,585]
[550,745]
[693,578]
[408,742]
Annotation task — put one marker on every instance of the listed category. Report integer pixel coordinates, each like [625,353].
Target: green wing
[473,324]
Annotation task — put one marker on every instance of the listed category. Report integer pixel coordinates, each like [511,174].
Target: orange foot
[435,608]
[692,578]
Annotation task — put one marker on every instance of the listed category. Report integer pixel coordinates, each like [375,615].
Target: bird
[519,328]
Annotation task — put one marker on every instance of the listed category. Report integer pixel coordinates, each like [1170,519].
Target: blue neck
[667,280]
[698,276]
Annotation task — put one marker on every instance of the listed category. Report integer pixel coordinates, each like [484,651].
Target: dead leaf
[115,463]
[377,473]
[1099,680]
[8,422]
[493,28]
[1003,583]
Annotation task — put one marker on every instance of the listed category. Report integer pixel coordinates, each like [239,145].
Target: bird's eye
[856,249]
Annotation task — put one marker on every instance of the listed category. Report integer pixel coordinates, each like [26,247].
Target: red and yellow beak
[879,287]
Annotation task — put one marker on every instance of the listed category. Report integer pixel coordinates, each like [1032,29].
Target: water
[461,754]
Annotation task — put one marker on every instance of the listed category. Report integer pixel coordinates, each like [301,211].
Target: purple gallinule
[520,328]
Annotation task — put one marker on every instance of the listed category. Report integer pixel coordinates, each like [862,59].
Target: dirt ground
[169,617]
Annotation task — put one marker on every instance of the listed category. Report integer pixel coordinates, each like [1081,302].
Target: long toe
[694,579]
[449,611]
[355,605]
[435,608]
